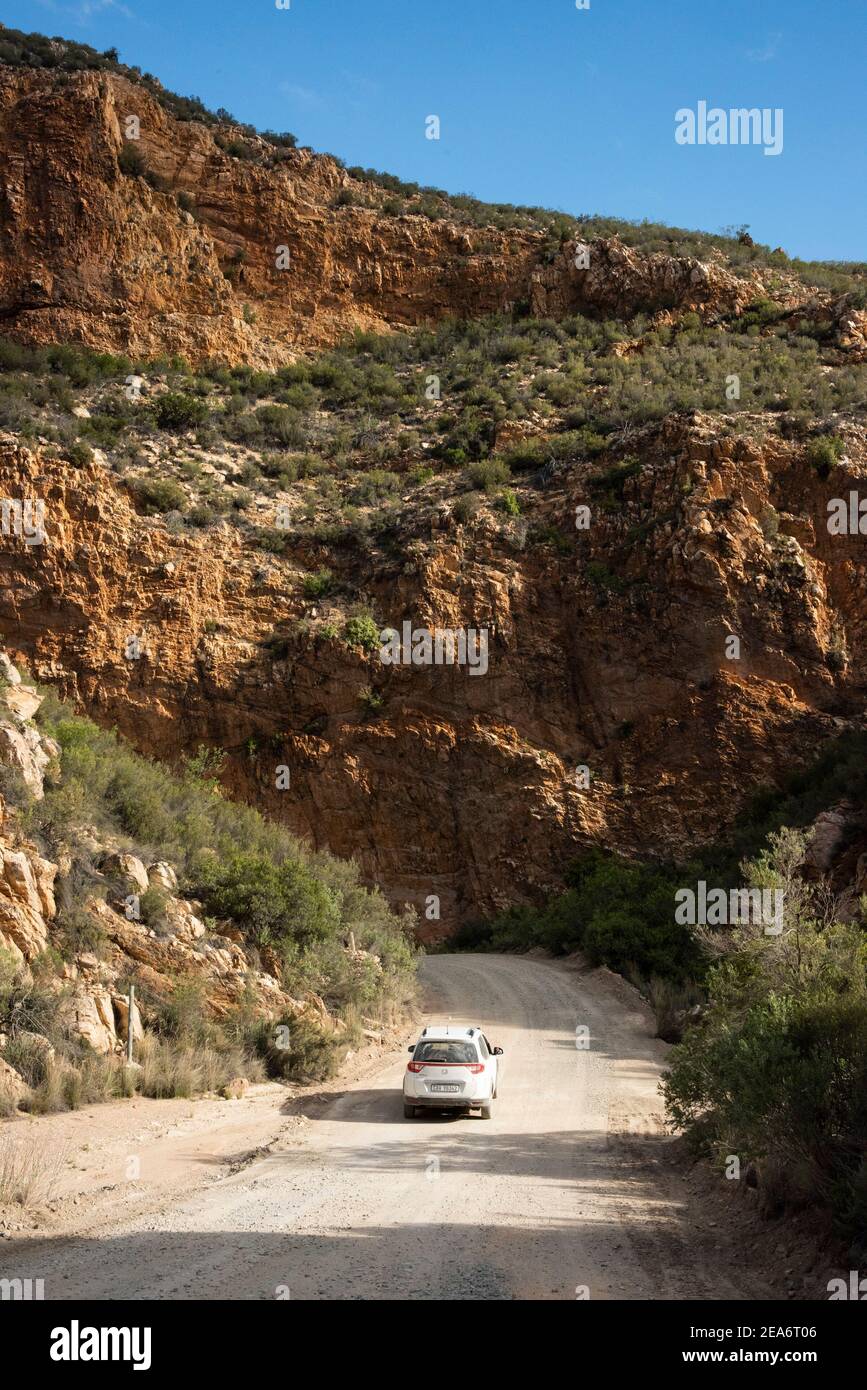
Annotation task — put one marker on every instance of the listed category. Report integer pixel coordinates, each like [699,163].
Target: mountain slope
[611,452]
[201,238]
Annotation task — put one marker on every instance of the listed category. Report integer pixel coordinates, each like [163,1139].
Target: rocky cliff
[615,709]
[612,656]
[93,255]
[199,252]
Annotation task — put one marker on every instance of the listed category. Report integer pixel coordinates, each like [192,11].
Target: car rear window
[446,1052]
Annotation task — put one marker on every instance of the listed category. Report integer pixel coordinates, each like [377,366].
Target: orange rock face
[265,265]
[464,788]
[607,653]
[95,256]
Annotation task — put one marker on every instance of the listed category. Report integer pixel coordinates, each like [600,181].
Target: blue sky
[539,102]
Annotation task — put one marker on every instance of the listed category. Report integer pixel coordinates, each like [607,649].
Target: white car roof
[438,1032]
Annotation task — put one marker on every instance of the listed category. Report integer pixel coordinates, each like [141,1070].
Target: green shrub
[671,1003]
[80,931]
[522,458]
[78,453]
[319,584]
[614,479]
[370,700]
[775,1070]
[30,1058]
[177,412]
[489,474]
[152,906]
[271,901]
[550,535]
[619,913]
[511,505]
[237,149]
[372,487]
[24,1007]
[281,425]
[301,1049]
[824,452]
[362,631]
[465,508]
[202,515]
[159,495]
[603,579]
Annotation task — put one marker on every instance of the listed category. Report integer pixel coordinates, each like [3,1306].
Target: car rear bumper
[446,1102]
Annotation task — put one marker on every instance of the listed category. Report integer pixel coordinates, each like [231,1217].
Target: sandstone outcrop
[258,261]
[462,789]
[619,282]
[96,256]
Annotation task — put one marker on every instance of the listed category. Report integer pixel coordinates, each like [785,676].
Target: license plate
[442,1086]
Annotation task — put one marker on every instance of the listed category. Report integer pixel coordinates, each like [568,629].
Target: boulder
[8,672]
[162,875]
[89,1013]
[44,873]
[21,700]
[182,922]
[13,1088]
[363,961]
[829,829]
[125,869]
[26,903]
[17,872]
[25,752]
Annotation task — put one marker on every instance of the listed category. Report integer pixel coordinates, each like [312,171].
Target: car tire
[408,1111]
[487,1109]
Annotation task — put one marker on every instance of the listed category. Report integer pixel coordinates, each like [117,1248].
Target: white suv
[453,1067]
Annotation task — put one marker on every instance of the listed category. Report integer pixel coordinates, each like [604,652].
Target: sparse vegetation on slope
[346,435]
[304,917]
[246,869]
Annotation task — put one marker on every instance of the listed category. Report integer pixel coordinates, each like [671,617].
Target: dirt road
[568,1191]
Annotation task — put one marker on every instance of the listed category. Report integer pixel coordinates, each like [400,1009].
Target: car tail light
[476,1068]
[414,1066]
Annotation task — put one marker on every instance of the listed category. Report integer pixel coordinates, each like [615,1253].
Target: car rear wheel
[486,1110]
[408,1111]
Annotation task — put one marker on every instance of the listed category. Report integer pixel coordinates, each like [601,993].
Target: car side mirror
[411,1049]
[498,1052]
